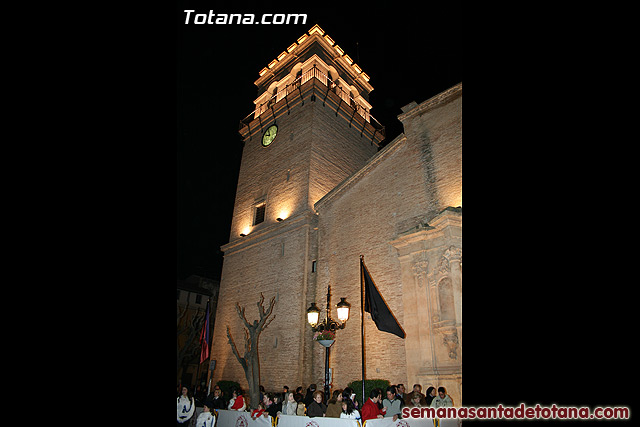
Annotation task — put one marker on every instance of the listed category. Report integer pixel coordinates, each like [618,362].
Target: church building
[315,193]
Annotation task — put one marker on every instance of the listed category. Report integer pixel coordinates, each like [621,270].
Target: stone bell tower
[311,129]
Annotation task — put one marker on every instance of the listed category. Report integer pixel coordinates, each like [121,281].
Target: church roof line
[413,108]
[354,177]
[409,110]
[318,34]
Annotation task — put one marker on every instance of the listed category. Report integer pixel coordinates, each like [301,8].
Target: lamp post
[328,324]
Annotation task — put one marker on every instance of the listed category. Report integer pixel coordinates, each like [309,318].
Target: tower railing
[302,79]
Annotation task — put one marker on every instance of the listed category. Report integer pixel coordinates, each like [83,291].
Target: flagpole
[209,373]
[362,322]
[197,374]
[203,336]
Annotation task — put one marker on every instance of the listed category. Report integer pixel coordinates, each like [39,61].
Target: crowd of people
[342,404]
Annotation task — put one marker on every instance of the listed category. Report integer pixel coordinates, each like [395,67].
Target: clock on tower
[269,135]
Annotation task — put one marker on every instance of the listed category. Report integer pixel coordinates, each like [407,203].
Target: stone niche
[430,256]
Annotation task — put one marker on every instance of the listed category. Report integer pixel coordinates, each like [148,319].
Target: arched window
[296,72]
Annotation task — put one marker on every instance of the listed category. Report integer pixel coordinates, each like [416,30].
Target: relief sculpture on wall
[442,296]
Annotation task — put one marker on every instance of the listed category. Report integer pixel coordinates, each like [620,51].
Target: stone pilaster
[430,256]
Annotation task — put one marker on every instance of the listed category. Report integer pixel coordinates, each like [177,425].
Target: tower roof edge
[302,48]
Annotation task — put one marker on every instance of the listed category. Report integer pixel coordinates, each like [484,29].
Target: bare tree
[250,362]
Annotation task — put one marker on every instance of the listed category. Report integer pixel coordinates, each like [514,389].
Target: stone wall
[400,190]
[340,199]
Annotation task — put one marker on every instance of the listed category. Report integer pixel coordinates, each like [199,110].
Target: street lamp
[328,324]
[343,310]
[313,313]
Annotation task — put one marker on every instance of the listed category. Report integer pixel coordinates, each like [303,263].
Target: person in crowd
[334,406]
[271,404]
[414,400]
[186,407]
[411,398]
[349,410]
[290,406]
[308,398]
[393,404]
[285,393]
[417,388]
[216,400]
[370,409]
[236,403]
[316,408]
[211,395]
[417,391]
[350,394]
[401,392]
[200,396]
[300,390]
[261,388]
[441,400]
[431,393]
[206,417]
[259,411]
[301,409]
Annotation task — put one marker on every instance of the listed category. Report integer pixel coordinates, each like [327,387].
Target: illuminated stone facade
[320,195]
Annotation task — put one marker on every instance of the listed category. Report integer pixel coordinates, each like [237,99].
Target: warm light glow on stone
[283,214]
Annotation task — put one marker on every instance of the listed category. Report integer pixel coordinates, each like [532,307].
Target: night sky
[410,54]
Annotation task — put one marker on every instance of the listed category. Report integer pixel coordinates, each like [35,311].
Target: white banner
[298,421]
[241,419]
[412,422]
[406,422]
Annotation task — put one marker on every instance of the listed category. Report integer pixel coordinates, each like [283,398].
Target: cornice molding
[433,102]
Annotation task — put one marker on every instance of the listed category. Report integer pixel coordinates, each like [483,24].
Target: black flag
[376,305]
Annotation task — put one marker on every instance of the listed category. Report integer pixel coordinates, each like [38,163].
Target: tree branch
[268,323]
[247,342]
[264,315]
[240,311]
[242,361]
